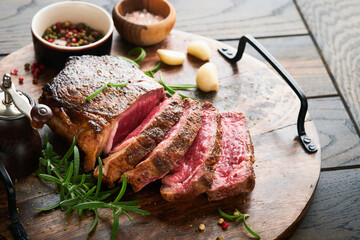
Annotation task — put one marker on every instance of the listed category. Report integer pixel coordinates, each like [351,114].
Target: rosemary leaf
[99,178]
[151,72]
[249,229]
[90,205]
[117,85]
[123,189]
[129,217]
[49,207]
[76,161]
[115,225]
[69,202]
[168,89]
[50,178]
[96,219]
[141,56]
[128,60]
[96,92]
[182,86]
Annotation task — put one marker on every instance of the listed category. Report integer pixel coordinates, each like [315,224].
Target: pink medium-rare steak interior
[142,140]
[150,117]
[193,176]
[165,156]
[132,117]
[234,173]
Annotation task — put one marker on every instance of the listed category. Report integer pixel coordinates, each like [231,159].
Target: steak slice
[194,174]
[234,173]
[142,140]
[165,156]
[101,123]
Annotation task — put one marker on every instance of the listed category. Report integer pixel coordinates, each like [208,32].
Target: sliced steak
[142,140]
[234,173]
[101,123]
[165,156]
[194,174]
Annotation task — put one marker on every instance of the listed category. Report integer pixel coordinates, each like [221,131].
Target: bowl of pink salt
[144,23]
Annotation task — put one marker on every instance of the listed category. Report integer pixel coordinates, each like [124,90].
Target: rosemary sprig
[151,72]
[169,89]
[103,87]
[237,218]
[78,192]
[128,60]
[141,56]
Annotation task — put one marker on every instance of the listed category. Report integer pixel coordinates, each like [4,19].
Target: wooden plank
[272,110]
[334,211]
[299,57]
[216,19]
[340,144]
[336,28]
[231,19]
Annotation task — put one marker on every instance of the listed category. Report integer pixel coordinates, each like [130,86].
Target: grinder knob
[40,115]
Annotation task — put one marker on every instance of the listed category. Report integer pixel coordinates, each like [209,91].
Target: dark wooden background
[318,42]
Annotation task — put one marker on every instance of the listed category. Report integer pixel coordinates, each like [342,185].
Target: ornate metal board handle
[17,228]
[304,139]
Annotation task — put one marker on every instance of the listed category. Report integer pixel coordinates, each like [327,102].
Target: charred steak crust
[93,122]
[165,156]
[234,173]
[134,149]
[198,163]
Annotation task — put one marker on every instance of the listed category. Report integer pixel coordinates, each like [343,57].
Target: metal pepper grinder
[20,143]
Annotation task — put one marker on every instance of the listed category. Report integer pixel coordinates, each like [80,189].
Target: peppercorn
[201,227]
[27,66]
[21,80]
[224,225]
[66,33]
[14,72]
[221,220]
[35,81]
[219,238]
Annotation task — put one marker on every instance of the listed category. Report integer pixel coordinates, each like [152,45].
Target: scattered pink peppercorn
[224,225]
[51,40]
[75,31]
[73,40]
[58,25]
[14,72]
[21,80]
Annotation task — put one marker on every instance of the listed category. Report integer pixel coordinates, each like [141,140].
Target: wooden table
[318,43]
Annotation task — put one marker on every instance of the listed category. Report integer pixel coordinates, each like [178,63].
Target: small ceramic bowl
[142,34]
[93,16]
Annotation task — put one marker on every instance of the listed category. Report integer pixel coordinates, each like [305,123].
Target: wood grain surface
[299,57]
[334,212]
[340,144]
[286,175]
[335,26]
[219,19]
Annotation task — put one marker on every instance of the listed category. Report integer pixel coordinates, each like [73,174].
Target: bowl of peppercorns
[68,29]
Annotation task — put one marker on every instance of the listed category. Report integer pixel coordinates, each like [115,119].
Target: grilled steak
[101,123]
[165,156]
[193,176]
[142,140]
[234,173]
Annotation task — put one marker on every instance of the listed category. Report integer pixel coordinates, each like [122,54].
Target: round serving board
[286,176]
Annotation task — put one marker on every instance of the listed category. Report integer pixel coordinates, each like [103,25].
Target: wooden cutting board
[286,176]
